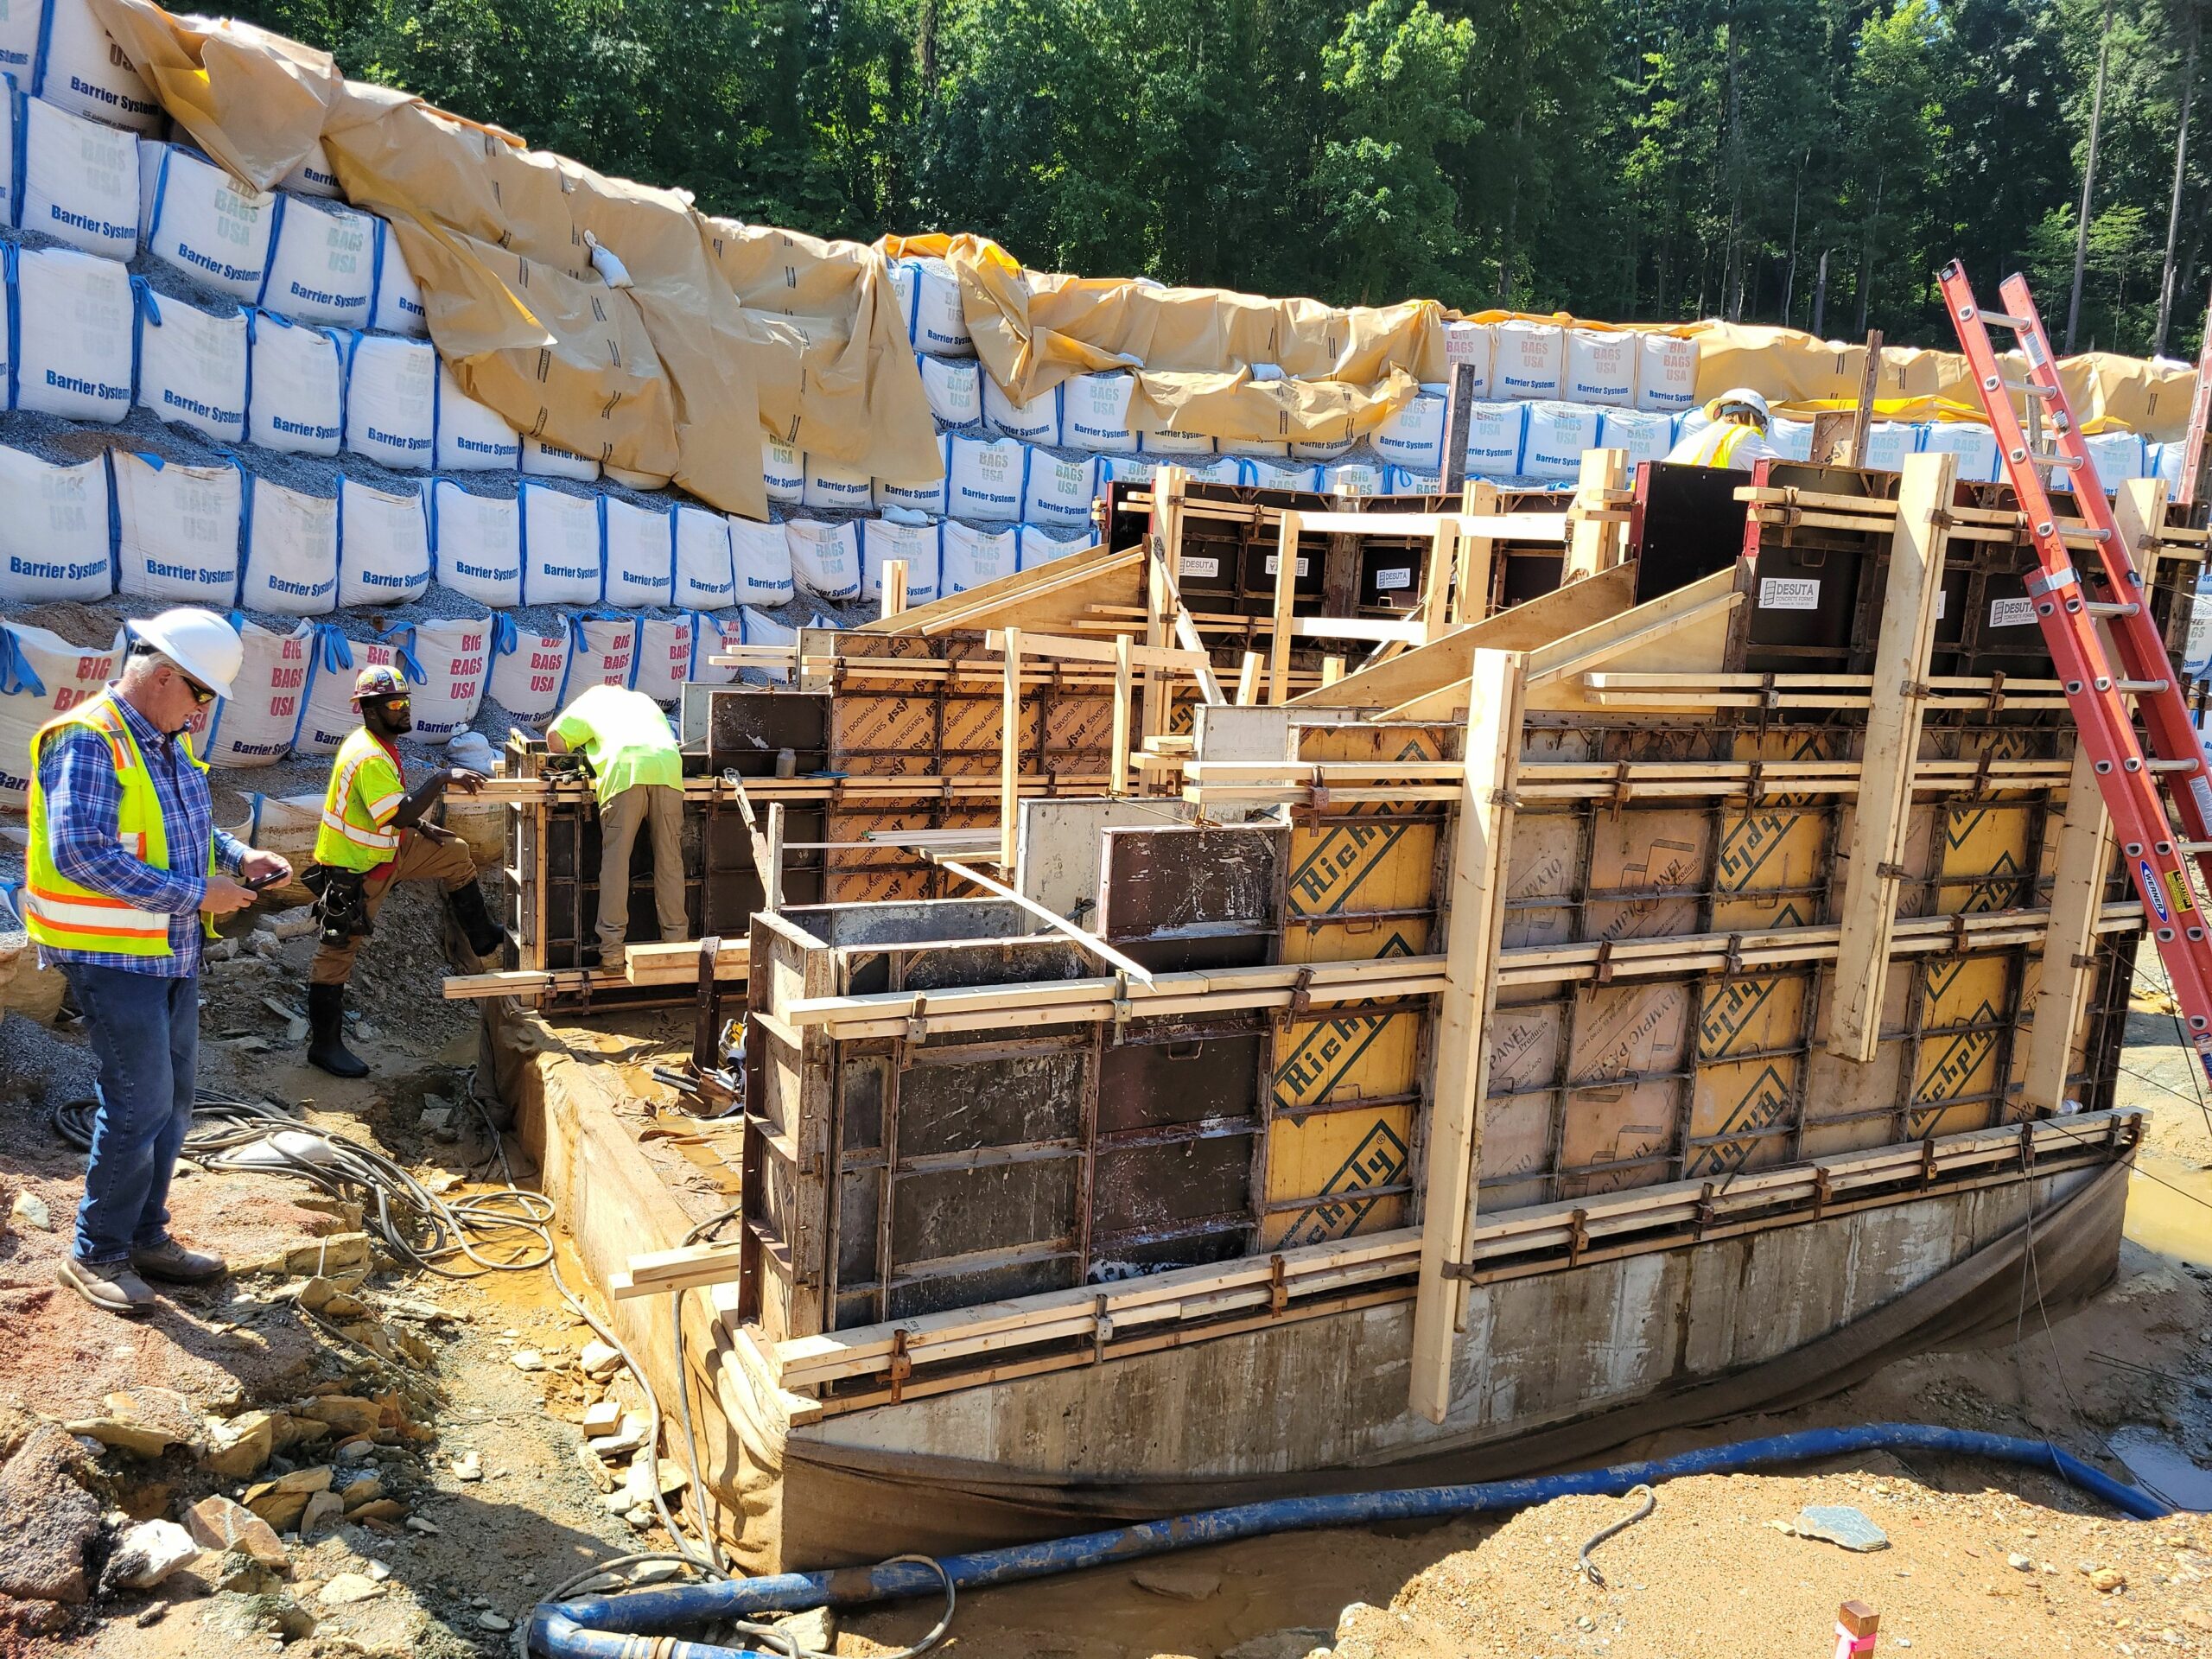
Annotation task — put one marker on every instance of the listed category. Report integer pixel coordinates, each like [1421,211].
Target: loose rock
[220,1524]
[149,1554]
[29,1210]
[1177,1583]
[46,1519]
[348,1588]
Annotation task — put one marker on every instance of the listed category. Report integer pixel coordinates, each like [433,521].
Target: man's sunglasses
[200,694]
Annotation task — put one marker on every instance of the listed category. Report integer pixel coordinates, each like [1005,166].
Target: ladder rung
[2143,688]
[2029,389]
[2017,324]
[2105,607]
[2052,457]
[2172,766]
[2192,848]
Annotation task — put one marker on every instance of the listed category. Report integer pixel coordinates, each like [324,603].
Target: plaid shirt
[83,806]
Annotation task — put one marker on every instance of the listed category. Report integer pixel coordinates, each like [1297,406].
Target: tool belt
[341,903]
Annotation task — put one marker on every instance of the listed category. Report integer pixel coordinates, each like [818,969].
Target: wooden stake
[1471,584]
[894,587]
[1899,695]
[1163,576]
[771,879]
[1333,670]
[1286,576]
[1247,680]
[1117,767]
[1436,579]
[1010,751]
[1870,380]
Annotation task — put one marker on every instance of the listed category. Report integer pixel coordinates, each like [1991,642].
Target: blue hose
[584,1629]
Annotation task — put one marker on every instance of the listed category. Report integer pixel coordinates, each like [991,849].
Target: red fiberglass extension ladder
[2137,781]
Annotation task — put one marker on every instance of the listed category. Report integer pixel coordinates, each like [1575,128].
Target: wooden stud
[1286,576]
[1117,765]
[1010,751]
[1471,583]
[1163,577]
[1892,752]
[1248,679]
[1870,381]
[771,879]
[894,588]
[1333,670]
[1473,938]
[1596,540]
[1436,579]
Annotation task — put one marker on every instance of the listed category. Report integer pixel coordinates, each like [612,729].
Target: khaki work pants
[618,833]
[420,859]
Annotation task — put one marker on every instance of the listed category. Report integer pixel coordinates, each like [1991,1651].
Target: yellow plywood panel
[1332,1158]
[1356,938]
[1986,854]
[1630,1125]
[1741,1016]
[1542,861]
[1730,1104]
[1355,1055]
[1367,864]
[1764,852]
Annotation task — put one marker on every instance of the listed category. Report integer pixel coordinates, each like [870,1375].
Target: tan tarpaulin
[675,376]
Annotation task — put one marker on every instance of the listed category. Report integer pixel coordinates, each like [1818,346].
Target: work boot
[484,935]
[111,1286]
[326,1034]
[177,1262]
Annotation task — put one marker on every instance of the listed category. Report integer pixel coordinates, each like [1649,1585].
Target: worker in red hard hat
[1735,437]
[374,834]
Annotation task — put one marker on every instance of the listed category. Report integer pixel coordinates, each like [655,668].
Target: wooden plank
[1247,680]
[1474,934]
[894,588]
[1059,592]
[1597,539]
[1549,527]
[1010,748]
[1876,853]
[687,1268]
[1436,579]
[1286,581]
[1051,918]
[1471,582]
[1100,651]
[1601,636]
[1117,768]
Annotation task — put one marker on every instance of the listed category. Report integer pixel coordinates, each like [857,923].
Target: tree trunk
[1866,254]
[2166,275]
[2088,181]
[1505,250]
[1820,297]
[1789,277]
[1732,277]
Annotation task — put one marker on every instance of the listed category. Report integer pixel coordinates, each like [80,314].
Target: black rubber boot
[484,935]
[326,1034]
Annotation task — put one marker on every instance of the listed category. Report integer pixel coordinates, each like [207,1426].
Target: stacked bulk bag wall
[761,629]
[323,265]
[761,557]
[564,555]
[665,648]
[1034,547]
[255,725]
[1355,477]
[969,557]
[296,390]
[80,181]
[783,471]
[207,223]
[985,482]
[1790,440]
[290,562]
[544,460]
[19,25]
[41,675]
[718,635]
[929,498]
[177,530]
[392,401]
[192,365]
[1888,443]
[82,69]
[602,648]
[527,669]
[825,558]
[1169,441]
[2117,456]
[1528,360]
[1036,420]
[1095,413]
[954,389]
[314,177]
[1666,373]
[471,438]
[384,545]
[883,540]
[640,562]
[1057,494]
[1264,475]
[446,662]
[705,579]
[333,662]
[71,334]
[476,545]
[935,322]
[57,537]
[397,308]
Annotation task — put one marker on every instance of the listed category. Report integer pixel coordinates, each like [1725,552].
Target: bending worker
[372,836]
[1736,438]
[125,862]
[638,774]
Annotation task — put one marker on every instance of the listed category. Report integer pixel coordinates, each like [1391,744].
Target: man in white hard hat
[1735,438]
[125,868]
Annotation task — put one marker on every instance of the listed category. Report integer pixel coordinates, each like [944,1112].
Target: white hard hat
[1741,397]
[199,642]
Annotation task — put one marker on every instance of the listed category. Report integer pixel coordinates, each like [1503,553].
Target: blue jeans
[145,1034]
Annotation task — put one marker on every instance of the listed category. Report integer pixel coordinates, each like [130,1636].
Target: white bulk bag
[544,460]
[1666,373]
[1403,480]
[1228,469]
[954,388]
[254,725]
[1095,413]
[563,547]
[760,557]
[832,488]
[986,479]
[43,675]
[882,541]
[919,497]
[783,470]
[1495,435]
[1600,367]
[825,558]
[935,322]
[82,69]
[1413,435]
[392,401]
[1034,547]
[718,635]
[645,483]
[1790,440]
[81,181]
[1270,475]
[290,561]
[295,392]
[967,557]
[476,545]
[471,437]
[1645,434]
[1125,469]
[192,365]
[1475,344]
[323,265]
[704,579]
[314,177]
[1059,493]
[384,545]
[207,223]
[1352,478]
[665,648]
[640,562]
[177,530]
[1331,450]
[446,662]
[1888,443]
[398,308]
[602,646]
[1036,420]
[71,331]
[333,663]
[1168,442]
[1974,444]
[19,26]
[1528,360]
[2117,456]
[55,536]
[527,669]
[1557,435]
[759,628]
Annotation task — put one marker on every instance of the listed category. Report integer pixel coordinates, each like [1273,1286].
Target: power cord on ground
[1587,1568]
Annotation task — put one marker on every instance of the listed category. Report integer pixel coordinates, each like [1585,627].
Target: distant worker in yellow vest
[1736,438]
[637,775]
[372,836]
[125,862]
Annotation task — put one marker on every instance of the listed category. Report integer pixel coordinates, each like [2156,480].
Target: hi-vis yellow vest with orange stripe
[356,832]
[1712,445]
[57,911]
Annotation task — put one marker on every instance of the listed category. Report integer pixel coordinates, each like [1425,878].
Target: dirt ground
[1713,1568]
